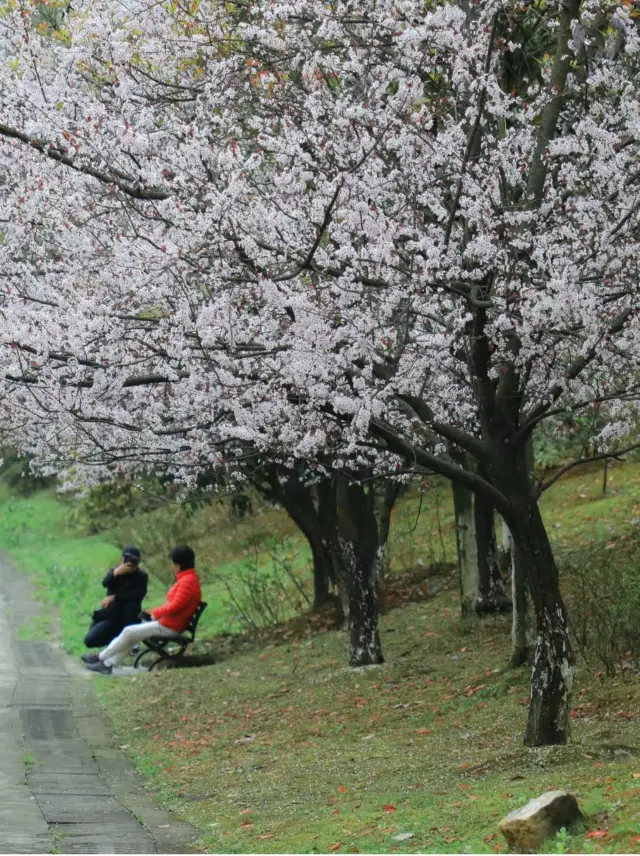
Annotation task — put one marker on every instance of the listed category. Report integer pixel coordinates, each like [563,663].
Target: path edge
[128,785]
[170,834]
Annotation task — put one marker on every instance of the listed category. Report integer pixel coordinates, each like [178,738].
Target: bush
[107,504]
[262,597]
[603,597]
[17,472]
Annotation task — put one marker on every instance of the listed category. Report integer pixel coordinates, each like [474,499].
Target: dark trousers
[101,633]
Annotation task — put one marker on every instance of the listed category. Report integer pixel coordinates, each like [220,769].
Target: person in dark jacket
[126,587]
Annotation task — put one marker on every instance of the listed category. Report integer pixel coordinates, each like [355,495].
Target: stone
[526,828]
[402,836]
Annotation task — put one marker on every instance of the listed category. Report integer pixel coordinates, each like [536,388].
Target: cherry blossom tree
[336,232]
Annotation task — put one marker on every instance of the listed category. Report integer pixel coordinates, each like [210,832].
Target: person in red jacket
[170,620]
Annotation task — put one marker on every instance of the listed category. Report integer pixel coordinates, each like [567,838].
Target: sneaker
[100,667]
[89,658]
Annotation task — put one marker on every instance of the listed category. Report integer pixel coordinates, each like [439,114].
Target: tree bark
[468,571]
[322,572]
[325,502]
[390,494]
[522,631]
[297,499]
[360,557]
[481,585]
[505,549]
[491,596]
[554,661]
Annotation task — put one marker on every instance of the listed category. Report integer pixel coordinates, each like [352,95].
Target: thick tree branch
[135,380]
[131,188]
[443,467]
[466,441]
[551,113]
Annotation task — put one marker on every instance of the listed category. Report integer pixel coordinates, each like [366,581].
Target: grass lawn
[279,748]
[284,750]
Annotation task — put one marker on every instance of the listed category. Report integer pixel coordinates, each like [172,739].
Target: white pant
[119,647]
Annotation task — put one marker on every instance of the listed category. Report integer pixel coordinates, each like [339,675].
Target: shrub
[264,596]
[109,503]
[17,472]
[603,597]
[157,531]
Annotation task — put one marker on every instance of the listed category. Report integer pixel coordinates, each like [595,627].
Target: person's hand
[108,599]
[124,568]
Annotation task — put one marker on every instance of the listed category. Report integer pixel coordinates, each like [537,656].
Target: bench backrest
[195,618]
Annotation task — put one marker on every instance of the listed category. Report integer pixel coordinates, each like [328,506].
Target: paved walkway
[65,787]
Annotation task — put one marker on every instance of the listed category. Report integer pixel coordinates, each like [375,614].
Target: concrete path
[65,787]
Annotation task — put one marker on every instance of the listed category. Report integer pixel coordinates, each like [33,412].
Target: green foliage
[558,440]
[603,594]
[157,531]
[16,472]
[267,593]
[109,503]
[559,843]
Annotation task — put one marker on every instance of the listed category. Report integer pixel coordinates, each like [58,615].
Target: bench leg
[160,656]
[164,655]
[147,651]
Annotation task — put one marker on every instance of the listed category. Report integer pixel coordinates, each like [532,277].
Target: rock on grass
[526,828]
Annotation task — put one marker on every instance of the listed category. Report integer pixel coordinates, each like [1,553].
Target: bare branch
[542,486]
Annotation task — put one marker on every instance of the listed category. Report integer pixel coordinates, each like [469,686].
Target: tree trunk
[360,556]
[322,572]
[554,661]
[469,574]
[481,584]
[505,550]
[523,639]
[389,496]
[325,502]
[491,596]
[522,631]
[297,499]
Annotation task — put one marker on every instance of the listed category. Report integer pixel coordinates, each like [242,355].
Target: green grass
[281,748]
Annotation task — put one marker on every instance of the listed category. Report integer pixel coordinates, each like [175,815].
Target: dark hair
[183,556]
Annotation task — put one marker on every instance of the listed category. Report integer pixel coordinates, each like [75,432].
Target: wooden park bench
[165,648]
